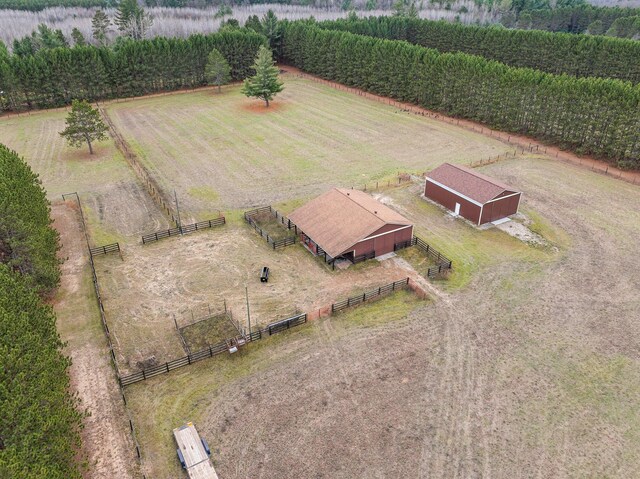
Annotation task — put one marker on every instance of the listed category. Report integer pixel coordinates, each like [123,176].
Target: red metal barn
[470,194]
[349,224]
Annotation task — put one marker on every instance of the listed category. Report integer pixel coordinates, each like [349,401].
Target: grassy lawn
[224,151]
[115,204]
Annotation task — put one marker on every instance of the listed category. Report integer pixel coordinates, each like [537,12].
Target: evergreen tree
[253,23]
[78,38]
[230,24]
[265,84]
[100,26]
[271,29]
[28,243]
[223,11]
[84,125]
[217,71]
[132,20]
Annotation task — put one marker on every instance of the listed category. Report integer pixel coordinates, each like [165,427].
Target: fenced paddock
[255,216]
[255,335]
[213,350]
[209,330]
[442,263]
[183,230]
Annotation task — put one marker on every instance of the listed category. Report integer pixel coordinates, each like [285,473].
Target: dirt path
[107,444]
[520,141]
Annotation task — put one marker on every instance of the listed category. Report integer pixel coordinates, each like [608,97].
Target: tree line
[37,5]
[593,116]
[570,19]
[54,77]
[576,55]
[40,420]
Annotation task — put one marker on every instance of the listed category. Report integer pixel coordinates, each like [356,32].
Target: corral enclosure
[185,277]
[532,366]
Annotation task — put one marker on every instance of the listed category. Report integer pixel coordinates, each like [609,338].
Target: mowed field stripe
[310,138]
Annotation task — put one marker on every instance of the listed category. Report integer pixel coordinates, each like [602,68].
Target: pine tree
[78,38]
[132,20]
[100,25]
[265,84]
[253,23]
[271,29]
[217,71]
[84,125]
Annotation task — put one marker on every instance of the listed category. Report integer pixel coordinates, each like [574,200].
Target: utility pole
[179,225]
[246,293]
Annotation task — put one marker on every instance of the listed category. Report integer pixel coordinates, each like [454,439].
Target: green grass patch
[388,309]
[99,233]
[208,332]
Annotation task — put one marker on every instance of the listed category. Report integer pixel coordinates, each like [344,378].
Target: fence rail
[249,217]
[108,248]
[283,325]
[183,230]
[369,295]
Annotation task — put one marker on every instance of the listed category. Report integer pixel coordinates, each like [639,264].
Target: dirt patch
[106,442]
[259,107]
[520,231]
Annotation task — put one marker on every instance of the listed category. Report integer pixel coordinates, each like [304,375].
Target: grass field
[224,151]
[115,203]
[524,362]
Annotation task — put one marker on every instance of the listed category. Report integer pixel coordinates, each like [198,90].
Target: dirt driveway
[107,444]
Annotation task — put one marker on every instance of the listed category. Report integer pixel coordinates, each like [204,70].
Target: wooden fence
[152,186]
[249,217]
[442,263]
[369,295]
[108,248]
[183,230]
[213,350]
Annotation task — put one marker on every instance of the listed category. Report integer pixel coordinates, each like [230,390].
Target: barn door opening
[457,210]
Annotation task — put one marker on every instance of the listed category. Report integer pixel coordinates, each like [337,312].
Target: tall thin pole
[246,293]
[179,225]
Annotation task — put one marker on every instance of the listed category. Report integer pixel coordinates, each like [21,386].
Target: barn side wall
[383,244]
[448,199]
[499,209]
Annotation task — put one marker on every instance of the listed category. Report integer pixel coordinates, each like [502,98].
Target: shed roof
[339,218]
[470,183]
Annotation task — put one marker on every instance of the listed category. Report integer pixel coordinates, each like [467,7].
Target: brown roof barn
[472,195]
[350,223]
